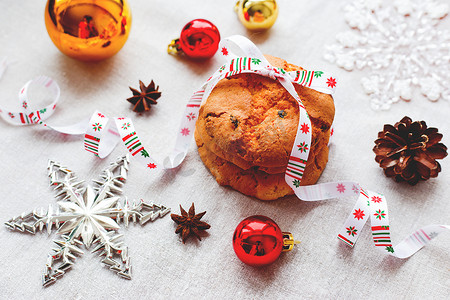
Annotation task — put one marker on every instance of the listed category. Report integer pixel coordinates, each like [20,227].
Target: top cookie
[251,120]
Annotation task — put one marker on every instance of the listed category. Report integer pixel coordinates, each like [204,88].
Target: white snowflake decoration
[401,46]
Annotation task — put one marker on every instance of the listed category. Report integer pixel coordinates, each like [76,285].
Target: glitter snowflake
[87,216]
[400,44]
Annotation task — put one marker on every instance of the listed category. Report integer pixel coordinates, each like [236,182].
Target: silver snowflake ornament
[401,46]
[88,216]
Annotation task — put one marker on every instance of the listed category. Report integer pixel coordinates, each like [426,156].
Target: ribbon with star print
[373,206]
[244,57]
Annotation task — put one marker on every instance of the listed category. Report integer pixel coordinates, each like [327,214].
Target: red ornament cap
[258,241]
[199,39]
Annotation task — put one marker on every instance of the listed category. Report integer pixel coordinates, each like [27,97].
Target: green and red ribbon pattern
[102,136]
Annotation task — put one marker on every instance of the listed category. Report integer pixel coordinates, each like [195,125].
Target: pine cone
[408,151]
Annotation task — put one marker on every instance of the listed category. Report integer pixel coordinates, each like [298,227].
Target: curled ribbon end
[173,161]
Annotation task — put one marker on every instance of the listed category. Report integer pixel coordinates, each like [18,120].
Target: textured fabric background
[320,267]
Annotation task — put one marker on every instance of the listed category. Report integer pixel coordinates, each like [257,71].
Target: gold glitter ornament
[257,14]
[88,30]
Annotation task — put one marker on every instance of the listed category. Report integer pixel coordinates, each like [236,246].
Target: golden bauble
[88,30]
[257,14]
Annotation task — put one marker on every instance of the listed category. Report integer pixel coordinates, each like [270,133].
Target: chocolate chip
[234,121]
[282,114]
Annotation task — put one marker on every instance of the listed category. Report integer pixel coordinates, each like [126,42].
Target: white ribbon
[101,136]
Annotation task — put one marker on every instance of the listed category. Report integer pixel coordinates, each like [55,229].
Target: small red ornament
[258,241]
[199,39]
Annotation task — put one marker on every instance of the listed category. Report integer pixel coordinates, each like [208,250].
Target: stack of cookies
[246,129]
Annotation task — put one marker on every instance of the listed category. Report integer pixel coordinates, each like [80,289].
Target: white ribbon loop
[238,46]
[26,115]
[101,136]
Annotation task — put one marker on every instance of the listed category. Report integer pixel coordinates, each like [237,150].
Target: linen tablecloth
[320,267]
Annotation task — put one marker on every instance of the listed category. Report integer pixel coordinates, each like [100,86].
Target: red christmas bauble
[199,39]
[258,241]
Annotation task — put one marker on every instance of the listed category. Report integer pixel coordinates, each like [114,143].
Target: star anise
[408,151]
[142,99]
[189,223]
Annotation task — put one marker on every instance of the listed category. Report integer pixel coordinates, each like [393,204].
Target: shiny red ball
[199,39]
[258,241]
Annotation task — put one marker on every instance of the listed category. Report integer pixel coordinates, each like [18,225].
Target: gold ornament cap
[257,14]
[288,241]
[174,47]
